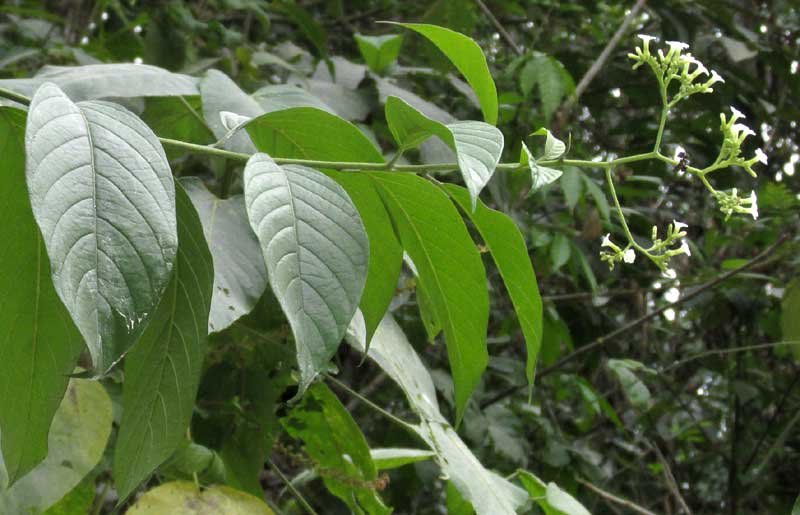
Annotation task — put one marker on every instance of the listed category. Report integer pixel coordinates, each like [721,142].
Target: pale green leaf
[379,51]
[120,80]
[392,458]
[553,147]
[572,185]
[450,270]
[510,254]
[540,175]
[285,96]
[796,508]
[316,251]
[635,390]
[219,93]
[468,58]
[477,145]
[162,370]
[239,274]
[552,499]
[39,344]
[103,195]
[185,498]
[560,251]
[76,442]
[333,440]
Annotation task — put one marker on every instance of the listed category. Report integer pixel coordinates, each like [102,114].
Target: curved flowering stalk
[691,77]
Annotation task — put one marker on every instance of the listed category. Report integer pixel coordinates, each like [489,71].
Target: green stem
[664,112]
[302,500]
[625,228]
[370,404]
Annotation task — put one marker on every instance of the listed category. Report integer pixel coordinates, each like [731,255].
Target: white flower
[677,45]
[753,205]
[607,241]
[137,29]
[740,127]
[715,77]
[737,113]
[629,256]
[104,16]
[685,248]
[137,60]
[761,156]
[678,225]
[646,38]
[701,68]
[670,273]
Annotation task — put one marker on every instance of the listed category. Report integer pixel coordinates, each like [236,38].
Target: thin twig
[613,498]
[371,404]
[671,483]
[642,319]
[292,488]
[732,350]
[499,26]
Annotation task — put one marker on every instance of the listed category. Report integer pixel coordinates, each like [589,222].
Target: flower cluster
[617,254]
[734,133]
[660,252]
[730,203]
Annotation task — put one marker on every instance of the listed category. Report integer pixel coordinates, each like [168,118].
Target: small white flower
[670,273]
[737,113]
[761,156]
[629,256]
[104,16]
[607,241]
[679,225]
[753,205]
[646,38]
[740,127]
[677,45]
[137,60]
[715,77]
[685,248]
[92,26]
[137,29]
[701,68]
[85,40]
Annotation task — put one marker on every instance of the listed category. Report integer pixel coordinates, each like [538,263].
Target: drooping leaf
[185,498]
[550,498]
[332,439]
[219,93]
[316,252]
[540,175]
[636,391]
[553,147]
[379,51]
[790,321]
[488,493]
[76,442]
[450,270]
[95,81]
[239,274]
[510,254]
[385,252]
[392,458]
[162,370]
[477,145]
[309,133]
[103,195]
[39,344]
[468,58]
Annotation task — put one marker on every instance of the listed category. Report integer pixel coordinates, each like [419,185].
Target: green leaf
[552,499]
[489,493]
[553,79]
[450,270]
[635,390]
[478,146]
[468,58]
[162,370]
[553,147]
[103,195]
[510,254]
[790,321]
[39,344]
[336,445]
[120,80]
[239,274]
[385,252]
[75,444]
[385,459]
[309,133]
[540,175]
[379,51]
[185,498]
[559,251]
[597,402]
[286,96]
[456,504]
[177,118]
[796,507]
[598,196]
[316,251]
[78,501]
[219,94]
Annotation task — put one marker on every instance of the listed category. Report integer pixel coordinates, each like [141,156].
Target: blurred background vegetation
[706,411]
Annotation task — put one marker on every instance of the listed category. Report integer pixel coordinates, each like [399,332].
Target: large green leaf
[450,270]
[332,439]
[550,498]
[162,370]
[468,58]
[478,146]
[120,80]
[220,94]
[103,195]
[379,51]
[76,442]
[385,252]
[186,498]
[488,493]
[790,321]
[310,133]
[316,252]
[284,96]
[239,274]
[39,344]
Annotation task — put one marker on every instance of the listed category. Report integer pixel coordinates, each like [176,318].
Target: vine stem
[374,167]
[371,404]
[292,488]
